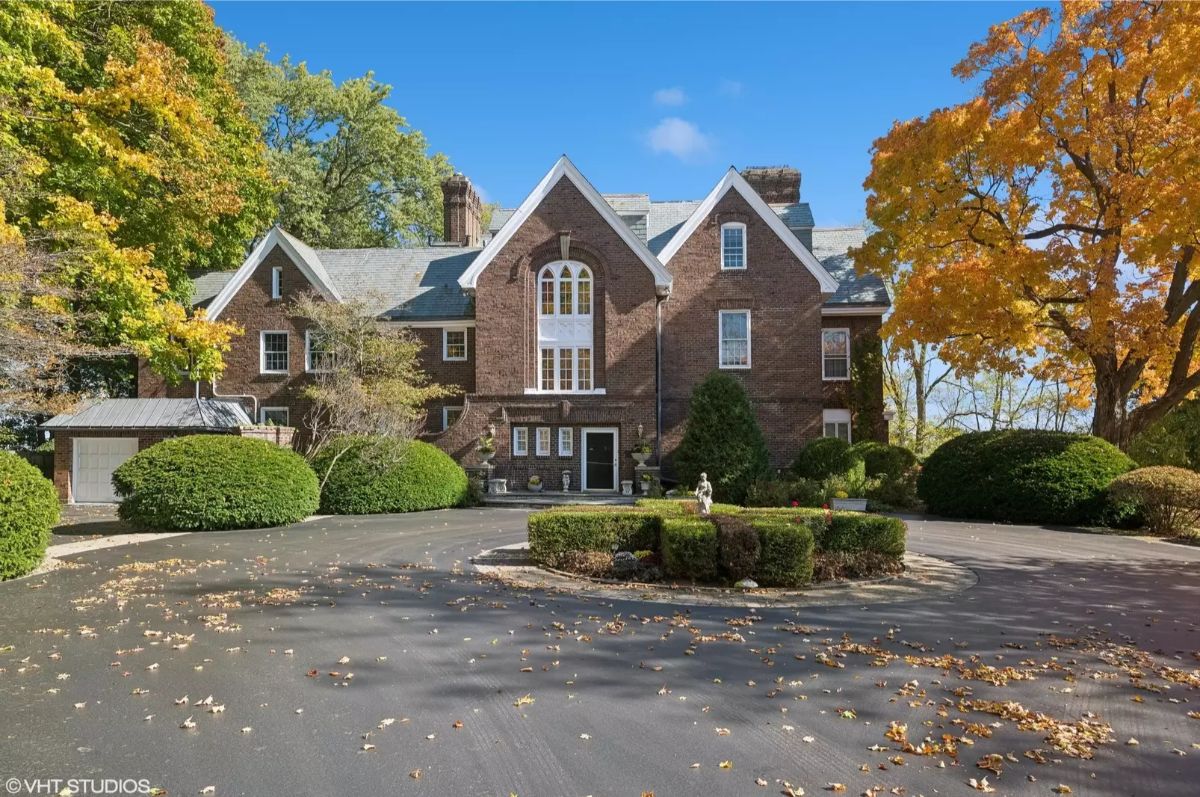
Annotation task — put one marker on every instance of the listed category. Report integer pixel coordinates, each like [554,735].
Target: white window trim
[616,433]
[553,272]
[575,372]
[520,448]
[539,449]
[745,258]
[566,435]
[262,350]
[446,345]
[308,365]
[277,282]
[262,414]
[838,416]
[721,342]
[446,416]
[825,377]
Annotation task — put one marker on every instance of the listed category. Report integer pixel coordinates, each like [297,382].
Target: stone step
[548,499]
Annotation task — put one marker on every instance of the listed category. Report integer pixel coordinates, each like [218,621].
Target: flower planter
[486,456]
[534,488]
[640,457]
[627,487]
[850,504]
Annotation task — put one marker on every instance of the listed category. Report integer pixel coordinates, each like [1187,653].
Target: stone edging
[923,577]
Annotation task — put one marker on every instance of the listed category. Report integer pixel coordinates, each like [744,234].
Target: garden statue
[704,494]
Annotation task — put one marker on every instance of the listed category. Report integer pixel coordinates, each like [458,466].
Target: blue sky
[656,98]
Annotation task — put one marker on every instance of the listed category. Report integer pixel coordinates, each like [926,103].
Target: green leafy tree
[350,170]
[722,439]
[1174,440]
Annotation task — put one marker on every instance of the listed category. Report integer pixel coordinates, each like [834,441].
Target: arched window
[564,328]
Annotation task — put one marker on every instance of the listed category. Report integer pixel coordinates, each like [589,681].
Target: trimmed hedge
[1022,476]
[28,510]
[854,531]
[382,475]
[885,460]
[690,548]
[786,559]
[825,457]
[213,482]
[555,533]
[1168,497]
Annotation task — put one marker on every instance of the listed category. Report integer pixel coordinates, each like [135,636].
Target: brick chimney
[777,185]
[462,212]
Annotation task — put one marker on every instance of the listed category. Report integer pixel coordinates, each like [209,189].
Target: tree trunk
[1108,417]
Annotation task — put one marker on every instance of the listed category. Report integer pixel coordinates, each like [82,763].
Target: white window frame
[446,344]
[262,350]
[277,282]
[520,441]
[446,416]
[566,441]
[287,415]
[541,441]
[308,362]
[825,376]
[837,418]
[721,341]
[745,260]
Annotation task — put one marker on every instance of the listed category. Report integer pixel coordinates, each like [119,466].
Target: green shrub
[825,457]
[737,546]
[667,507]
[212,482]
[554,533]
[689,549]
[856,531]
[897,493]
[786,558]
[28,510]
[378,475]
[784,492]
[722,439]
[1169,498]
[1174,439]
[884,460]
[1022,476]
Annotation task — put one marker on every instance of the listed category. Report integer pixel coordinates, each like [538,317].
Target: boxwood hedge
[689,548]
[557,532]
[787,552]
[368,476]
[1021,476]
[28,510]
[212,482]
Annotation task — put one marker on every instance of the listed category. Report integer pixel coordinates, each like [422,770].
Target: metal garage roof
[154,413]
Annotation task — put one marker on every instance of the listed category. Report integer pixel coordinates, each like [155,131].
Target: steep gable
[305,259]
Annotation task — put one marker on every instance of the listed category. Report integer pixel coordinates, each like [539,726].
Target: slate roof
[143,413]
[830,245]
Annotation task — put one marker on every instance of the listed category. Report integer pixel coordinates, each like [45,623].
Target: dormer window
[733,246]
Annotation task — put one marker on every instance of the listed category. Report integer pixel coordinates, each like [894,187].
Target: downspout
[658,380]
[215,394]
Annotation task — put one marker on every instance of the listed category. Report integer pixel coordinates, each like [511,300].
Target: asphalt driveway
[363,656]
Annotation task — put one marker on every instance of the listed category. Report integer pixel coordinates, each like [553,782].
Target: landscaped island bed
[776,547]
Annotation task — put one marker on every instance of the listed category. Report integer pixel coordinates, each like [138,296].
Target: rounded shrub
[28,510]
[1021,476]
[885,460]
[214,482]
[368,476]
[1168,497]
[825,457]
[738,546]
[689,548]
[786,558]
[722,439]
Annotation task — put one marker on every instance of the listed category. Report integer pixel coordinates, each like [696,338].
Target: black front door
[598,460]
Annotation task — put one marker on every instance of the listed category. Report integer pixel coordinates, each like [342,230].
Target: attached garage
[91,443]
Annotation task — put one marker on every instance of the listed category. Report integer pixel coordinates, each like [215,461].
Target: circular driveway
[364,656]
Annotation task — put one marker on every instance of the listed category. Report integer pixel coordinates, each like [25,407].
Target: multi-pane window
[565,295]
[735,338]
[566,372]
[274,354]
[277,282]
[450,415]
[520,445]
[566,292]
[547,304]
[542,441]
[584,365]
[835,353]
[583,293]
[547,369]
[837,424]
[318,356]
[274,416]
[733,245]
[566,441]
[454,344]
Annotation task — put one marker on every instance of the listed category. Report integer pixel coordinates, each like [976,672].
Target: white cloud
[678,137]
[730,88]
[672,96]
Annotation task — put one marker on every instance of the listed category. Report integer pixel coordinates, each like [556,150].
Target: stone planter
[640,458]
[627,487]
[497,486]
[486,456]
[849,504]
[646,483]
[534,488]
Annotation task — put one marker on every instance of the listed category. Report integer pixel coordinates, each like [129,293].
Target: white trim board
[563,168]
[834,310]
[616,433]
[734,181]
[305,259]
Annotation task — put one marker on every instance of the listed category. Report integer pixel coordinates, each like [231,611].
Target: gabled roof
[831,245]
[301,254]
[157,413]
[732,181]
[565,169]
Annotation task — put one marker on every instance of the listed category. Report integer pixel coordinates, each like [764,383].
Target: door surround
[616,434]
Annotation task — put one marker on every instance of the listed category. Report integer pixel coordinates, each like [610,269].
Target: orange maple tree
[1051,222]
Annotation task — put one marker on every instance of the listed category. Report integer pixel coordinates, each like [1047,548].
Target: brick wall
[864,331]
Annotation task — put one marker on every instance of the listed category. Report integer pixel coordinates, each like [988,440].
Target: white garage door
[95,460]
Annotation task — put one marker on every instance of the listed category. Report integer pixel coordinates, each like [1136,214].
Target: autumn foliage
[1051,222]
